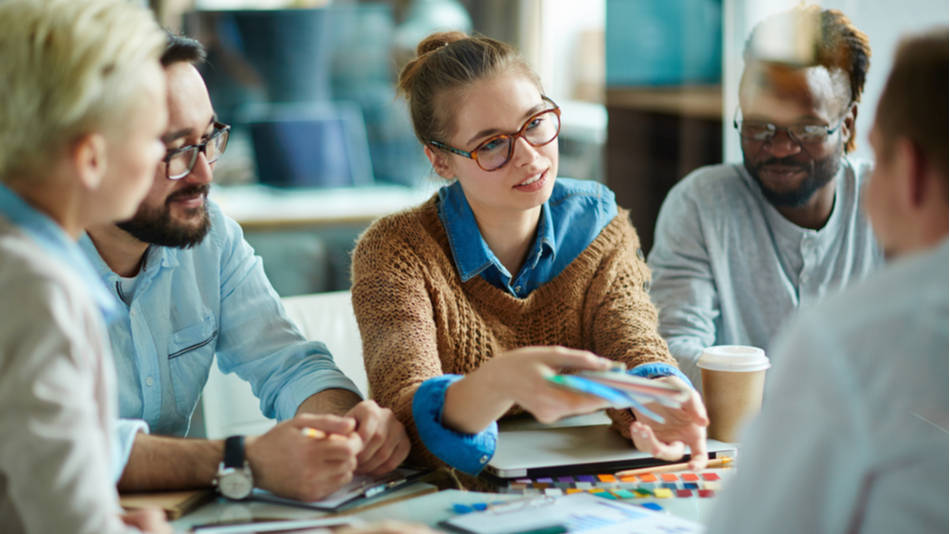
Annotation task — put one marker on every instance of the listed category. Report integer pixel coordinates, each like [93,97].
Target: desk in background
[305,236]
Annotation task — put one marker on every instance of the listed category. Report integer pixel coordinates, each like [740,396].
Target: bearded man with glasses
[194,290]
[739,247]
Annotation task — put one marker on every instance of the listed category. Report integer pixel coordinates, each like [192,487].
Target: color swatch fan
[625,391]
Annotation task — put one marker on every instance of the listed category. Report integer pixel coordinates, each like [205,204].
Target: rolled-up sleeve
[260,342]
[466,452]
[125,432]
[658,369]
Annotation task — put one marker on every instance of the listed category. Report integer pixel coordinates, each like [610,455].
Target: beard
[818,172]
[155,225]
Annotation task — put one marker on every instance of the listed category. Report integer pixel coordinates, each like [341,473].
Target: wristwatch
[234,479]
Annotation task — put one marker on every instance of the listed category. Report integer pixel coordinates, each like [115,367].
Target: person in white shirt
[853,433]
[82,110]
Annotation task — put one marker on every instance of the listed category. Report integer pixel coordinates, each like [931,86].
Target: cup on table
[733,380]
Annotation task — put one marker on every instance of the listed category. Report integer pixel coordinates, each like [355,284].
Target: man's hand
[290,464]
[385,443]
[684,426]
[148,520]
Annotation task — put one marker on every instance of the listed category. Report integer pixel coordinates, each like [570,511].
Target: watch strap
[234,452]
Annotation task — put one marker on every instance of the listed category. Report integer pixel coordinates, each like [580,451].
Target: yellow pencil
[722,461]
[313,433]
[316,433]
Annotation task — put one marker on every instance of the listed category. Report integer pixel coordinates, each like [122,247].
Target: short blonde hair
[68,67]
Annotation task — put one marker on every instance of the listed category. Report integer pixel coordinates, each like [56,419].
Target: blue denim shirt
[192,304]
[570,220]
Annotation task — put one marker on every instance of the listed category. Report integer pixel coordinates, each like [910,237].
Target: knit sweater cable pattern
[418,320]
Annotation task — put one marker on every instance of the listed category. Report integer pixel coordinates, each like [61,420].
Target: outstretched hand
[523,375]
[683,426]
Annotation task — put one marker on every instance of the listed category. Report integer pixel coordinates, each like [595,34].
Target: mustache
[784,162]
[190,191]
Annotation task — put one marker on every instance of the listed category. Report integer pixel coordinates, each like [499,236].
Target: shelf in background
[694,101]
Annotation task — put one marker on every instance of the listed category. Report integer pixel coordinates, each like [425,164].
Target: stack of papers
[625,391]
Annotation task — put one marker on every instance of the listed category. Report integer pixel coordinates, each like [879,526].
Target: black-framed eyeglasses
[494,152]
[761,132]
[180,161]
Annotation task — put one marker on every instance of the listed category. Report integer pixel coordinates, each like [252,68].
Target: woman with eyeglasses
[509,274]
[82,111]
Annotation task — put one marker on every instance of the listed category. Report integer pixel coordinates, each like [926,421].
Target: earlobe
[439,163]
[88,156]
[851,117]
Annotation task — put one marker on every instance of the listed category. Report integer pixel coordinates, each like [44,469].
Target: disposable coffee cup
[733,380]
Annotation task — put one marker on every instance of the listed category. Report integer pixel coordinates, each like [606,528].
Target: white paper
[577,512]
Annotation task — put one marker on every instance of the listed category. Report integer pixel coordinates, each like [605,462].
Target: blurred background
[321,145]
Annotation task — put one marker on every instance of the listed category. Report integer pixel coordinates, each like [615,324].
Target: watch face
[235,484]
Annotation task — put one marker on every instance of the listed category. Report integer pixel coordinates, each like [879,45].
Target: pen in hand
[316,433]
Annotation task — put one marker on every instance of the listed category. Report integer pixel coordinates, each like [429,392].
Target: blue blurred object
[322,55]
[285,52]
[663,42]
[309,145]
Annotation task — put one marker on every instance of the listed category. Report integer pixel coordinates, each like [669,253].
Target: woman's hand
[522,374]
[520,377]
[683,426]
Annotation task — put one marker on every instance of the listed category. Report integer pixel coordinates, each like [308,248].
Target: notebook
[577,445]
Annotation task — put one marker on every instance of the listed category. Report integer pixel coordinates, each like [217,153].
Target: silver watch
[234,479]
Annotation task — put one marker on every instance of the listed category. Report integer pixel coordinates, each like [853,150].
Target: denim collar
[472,255]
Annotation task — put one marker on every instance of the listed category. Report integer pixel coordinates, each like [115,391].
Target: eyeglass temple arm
[451,149]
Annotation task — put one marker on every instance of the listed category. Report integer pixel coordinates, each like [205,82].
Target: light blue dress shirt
[570,220]
[191,304]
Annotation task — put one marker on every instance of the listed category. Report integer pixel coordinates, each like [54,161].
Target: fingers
[149,520]
[327,423]
[697,410]
[371,428]
[380,465]
[576,359]
[557,403]
[645,440]
[386,444]
[699,455]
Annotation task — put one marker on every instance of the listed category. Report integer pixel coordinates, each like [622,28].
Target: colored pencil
[718,462]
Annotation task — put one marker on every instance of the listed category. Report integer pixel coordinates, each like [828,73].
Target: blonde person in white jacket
[82,110]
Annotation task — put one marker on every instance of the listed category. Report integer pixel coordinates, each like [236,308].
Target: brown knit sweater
[418,320]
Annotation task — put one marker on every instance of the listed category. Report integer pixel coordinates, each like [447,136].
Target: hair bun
[437,40]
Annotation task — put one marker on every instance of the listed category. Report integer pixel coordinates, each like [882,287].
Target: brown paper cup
[733,382]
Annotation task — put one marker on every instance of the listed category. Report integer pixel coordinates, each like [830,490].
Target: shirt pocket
[190,354]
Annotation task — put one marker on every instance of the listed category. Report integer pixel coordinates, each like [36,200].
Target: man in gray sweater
[739,247]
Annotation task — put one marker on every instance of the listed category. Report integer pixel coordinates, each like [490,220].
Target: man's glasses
[493,153]
[180,161]
[761,132]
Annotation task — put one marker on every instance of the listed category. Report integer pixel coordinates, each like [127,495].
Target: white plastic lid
[736,358]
